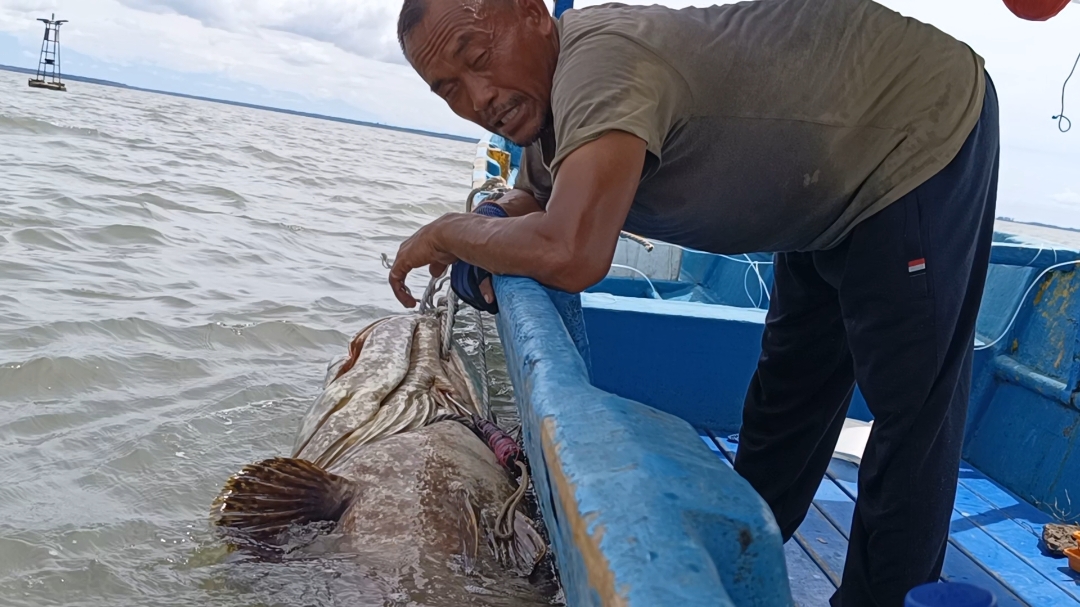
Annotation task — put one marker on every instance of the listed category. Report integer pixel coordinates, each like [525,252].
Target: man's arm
[569,246]
[517,203]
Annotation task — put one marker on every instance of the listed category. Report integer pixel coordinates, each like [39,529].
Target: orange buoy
[1036,10]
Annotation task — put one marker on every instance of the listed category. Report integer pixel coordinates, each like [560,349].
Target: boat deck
[994,541]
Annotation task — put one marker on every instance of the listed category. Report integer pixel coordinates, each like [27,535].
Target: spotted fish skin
[398,382]
[413,500]
[351,400]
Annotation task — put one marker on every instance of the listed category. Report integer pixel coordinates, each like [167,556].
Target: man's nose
[481,93]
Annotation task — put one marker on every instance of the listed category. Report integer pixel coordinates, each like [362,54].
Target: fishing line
[1061,118]
[655,293]
[1020,306]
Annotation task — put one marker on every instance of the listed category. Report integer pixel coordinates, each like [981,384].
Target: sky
[340,57]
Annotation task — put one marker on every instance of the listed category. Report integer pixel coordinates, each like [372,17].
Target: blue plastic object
[949,595]
[562,6]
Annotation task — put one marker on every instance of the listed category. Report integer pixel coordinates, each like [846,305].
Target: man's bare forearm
[568,246]
[517,203]
[517,246]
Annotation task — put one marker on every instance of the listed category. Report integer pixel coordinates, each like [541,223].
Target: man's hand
[421,249]
[569,246]
[418,251]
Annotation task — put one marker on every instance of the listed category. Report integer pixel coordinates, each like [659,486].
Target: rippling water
[174,277]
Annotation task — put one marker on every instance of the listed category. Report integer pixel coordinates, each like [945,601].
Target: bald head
[492,61]
[412,11]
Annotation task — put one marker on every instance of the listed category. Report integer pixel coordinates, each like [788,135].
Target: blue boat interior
[1020,460]
[614,385]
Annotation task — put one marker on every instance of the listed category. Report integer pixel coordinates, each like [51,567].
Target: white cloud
[362,27]
[1067,197]
[259,43]
[343,54]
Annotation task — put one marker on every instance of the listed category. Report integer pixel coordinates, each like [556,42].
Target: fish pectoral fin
[264,500]
[529,546]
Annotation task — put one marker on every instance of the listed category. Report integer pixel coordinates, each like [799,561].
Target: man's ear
[536,13]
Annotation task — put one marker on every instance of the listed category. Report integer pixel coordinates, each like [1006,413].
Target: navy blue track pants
[893,307]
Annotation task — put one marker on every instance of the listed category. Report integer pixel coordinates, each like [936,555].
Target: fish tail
[262,502]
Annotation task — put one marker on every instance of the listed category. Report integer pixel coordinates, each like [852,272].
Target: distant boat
[48,73]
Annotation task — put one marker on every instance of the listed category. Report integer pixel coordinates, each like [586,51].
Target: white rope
[656,294]
[493,184]
[1020,306]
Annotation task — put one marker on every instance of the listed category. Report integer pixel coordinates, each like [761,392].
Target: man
[860,146]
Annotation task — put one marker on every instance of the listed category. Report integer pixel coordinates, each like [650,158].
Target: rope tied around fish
[365,403]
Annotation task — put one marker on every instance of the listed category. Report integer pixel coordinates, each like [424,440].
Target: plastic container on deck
[951,594]
[1074,558]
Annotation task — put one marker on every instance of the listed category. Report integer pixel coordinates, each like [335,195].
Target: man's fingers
[437,269]
[398,274]
[487,290]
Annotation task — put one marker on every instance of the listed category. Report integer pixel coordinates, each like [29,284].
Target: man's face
[492,61]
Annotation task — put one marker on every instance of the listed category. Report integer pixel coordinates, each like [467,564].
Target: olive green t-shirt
[774,125]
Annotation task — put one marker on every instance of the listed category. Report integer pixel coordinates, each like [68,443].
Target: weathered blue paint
[984,532]
[1008,252]
[688,348]
[623,536]
[674,345]
[809,585]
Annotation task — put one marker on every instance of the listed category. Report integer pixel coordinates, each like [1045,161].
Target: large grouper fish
[397,459]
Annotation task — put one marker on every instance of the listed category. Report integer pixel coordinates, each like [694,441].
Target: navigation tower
[48,72]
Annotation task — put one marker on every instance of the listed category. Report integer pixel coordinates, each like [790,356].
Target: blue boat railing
[639,511]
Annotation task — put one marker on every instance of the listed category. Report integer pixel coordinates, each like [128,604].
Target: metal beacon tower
[48,72]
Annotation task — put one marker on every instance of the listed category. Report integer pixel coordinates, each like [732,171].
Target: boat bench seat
[995,540]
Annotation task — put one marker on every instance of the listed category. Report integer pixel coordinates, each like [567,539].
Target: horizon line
[267,108]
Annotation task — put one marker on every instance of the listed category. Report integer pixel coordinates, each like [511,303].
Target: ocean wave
[62,376]
[161,202]
[232,198]
[267,335]
[177,275]
[15,124]
[124,235]
[48,238]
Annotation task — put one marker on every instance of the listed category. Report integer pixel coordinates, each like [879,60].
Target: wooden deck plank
[1037,586]
[818,536]
[1007,505]
[845,475]
[959,567]
[1016,539]
[1015,573]
[810,587]
[831,501]
[1027,583]
[835,502]
[824,543]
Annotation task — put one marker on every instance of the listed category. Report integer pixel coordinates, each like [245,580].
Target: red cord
[506,450]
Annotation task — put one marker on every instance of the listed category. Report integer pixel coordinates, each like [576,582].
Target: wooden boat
[631,393]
